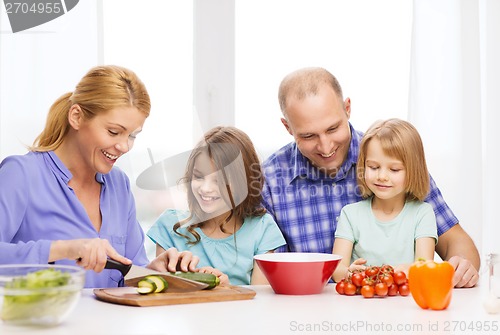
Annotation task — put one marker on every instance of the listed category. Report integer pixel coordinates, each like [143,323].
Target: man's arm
[456,246]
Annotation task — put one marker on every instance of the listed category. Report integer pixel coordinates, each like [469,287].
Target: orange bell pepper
[431,283]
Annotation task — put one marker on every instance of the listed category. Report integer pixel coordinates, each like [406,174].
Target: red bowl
[297,273]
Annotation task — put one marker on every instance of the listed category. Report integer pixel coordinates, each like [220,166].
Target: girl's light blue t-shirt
[391,242]
[233,256]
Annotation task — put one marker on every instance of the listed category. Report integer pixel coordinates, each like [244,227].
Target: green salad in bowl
[39,294]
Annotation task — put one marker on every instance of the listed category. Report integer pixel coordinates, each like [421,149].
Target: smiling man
[309,180]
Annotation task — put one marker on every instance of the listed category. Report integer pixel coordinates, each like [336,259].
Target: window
[365,44]
[154,39]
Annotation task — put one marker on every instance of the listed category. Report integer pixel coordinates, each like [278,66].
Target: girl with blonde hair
[393,225]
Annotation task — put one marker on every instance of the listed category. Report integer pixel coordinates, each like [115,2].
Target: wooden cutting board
[129,296]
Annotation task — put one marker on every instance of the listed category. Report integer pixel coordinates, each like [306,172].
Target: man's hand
[456,246]
[466,274]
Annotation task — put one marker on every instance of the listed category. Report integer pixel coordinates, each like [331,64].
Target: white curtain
[454,102]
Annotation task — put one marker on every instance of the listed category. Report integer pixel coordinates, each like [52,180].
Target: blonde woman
[64,201]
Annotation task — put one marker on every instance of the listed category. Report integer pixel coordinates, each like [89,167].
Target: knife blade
[133,274]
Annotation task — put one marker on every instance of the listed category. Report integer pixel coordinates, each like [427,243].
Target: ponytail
[56,126]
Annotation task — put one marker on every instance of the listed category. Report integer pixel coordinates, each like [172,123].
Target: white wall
[366,44]
[39,65]
[490,103]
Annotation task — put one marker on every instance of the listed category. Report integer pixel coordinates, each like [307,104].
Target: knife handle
[115,265]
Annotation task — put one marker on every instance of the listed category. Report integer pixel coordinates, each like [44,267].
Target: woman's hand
[172,260]
[224,279]
[90,254]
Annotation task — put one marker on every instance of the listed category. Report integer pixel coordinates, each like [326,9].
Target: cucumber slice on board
[161,283]
[146,286]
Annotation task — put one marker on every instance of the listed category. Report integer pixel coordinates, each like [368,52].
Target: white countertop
[269,313]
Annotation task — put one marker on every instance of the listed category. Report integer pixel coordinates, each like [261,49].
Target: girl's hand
[90,254]
[171,260]
[224,279]
[357,265]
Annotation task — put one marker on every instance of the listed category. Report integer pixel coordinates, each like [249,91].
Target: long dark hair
[240,183]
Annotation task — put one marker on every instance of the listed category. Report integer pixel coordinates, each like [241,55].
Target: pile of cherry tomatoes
[374,281]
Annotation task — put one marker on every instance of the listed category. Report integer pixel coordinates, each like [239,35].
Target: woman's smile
[109,156]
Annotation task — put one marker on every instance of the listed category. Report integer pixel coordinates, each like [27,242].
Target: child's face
[205,187]
[384,175]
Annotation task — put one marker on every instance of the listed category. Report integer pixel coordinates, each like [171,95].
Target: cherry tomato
[367,291]
[357,279]
[404,290]
[386,269]
[367,281]
[387,279]
[340,286]
[372,271]
[393,290]
[381,289]
[373,281]
[399,277]
[349,289]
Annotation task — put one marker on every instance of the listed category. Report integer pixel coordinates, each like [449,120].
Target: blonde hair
[226,146]
[102,89]
[399,139]
[304,82]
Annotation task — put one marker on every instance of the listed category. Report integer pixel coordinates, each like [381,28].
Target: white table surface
[269,313]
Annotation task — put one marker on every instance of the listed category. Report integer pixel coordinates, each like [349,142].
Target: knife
[132,274]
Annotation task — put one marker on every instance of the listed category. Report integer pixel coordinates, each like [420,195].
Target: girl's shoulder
[419,209]
[357,205]
[174,214]
[171,216]
[417,205]
[263,221]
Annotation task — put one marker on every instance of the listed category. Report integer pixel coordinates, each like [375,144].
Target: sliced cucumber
[152,284]
[144,290]
[146,286]
[161,283]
